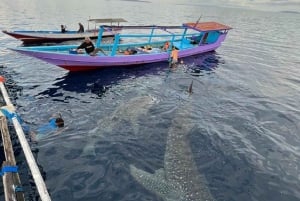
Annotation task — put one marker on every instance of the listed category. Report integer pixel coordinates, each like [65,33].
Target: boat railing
[118,43]
[146,39]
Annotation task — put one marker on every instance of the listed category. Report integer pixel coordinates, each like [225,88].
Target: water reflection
[98,82]
[202,64]
[191,70]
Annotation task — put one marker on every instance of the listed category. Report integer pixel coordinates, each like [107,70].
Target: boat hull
[35,37]
[84,62]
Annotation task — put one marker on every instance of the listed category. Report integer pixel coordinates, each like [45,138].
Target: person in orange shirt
[174,57]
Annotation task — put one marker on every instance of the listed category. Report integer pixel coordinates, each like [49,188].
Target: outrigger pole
[38,179]
[197,21]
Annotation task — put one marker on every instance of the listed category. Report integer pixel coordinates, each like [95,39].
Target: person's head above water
[59,122]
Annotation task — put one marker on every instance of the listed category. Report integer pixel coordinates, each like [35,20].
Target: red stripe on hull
[80,68]
[90,68]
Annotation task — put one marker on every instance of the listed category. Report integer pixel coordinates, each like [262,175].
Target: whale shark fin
[190,88]
[156,183]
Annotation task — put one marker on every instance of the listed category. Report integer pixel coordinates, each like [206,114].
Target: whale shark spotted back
[128,112]
[179,180]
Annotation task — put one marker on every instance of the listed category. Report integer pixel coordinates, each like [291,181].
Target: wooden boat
[189,39]
[35,37]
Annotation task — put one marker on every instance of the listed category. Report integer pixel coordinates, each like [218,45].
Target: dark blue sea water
[245,112]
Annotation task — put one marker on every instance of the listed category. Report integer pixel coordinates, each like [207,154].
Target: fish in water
[179,180]
[128,112]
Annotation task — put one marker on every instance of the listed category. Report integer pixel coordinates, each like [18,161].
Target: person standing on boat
[174,57]
[87,45]
[81,28]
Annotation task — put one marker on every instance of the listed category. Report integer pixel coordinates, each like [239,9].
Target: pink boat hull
[78,62]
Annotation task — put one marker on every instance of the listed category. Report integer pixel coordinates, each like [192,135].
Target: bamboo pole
[11,180]
[38,179]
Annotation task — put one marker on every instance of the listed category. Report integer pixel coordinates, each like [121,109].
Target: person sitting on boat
[81,28]
[130,51]
[166,46]
[87,45]
[174,57]
[63,28]
[146,48]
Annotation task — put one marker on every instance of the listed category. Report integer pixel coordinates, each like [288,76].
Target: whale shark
[129,111]
[179,180]
[126,113]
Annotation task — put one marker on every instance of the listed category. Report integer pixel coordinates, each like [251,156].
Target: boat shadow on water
[100,81]
[200,65]
[188,75]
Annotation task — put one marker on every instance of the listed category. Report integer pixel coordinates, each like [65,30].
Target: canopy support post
[98,43]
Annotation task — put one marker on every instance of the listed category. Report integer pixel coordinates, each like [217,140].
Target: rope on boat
[38,179]
[6,169]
